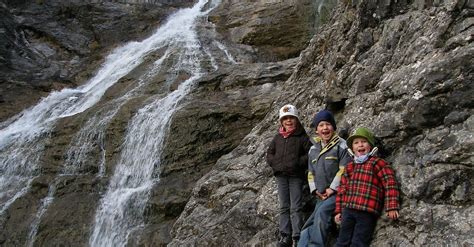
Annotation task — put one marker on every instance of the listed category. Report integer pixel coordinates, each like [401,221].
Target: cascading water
[121,209]
[22,141]
[120,213]
[83,143]
[94,129]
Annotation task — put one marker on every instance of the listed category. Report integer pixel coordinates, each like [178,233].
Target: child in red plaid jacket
[368,184]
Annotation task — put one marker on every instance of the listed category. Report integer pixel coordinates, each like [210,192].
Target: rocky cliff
[401,68]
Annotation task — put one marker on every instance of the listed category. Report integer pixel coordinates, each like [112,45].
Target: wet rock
[49,45]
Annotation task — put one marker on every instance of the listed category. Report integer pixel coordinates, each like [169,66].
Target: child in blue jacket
[326,161]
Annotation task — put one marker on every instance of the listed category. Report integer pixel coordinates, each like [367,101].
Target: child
[326,161]
[288,157]
[367,184]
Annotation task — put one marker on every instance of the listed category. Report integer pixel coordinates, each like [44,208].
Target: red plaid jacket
[367,187]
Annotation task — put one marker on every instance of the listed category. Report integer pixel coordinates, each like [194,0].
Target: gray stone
[405,80]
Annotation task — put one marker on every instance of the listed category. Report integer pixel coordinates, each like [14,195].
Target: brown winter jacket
[289,157]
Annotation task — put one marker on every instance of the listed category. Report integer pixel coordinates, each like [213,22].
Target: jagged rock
[398,68]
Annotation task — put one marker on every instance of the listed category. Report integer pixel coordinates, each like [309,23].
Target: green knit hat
[364,133]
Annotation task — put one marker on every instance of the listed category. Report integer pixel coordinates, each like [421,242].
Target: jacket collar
[331,143]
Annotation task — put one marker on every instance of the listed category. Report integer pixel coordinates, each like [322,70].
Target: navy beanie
[323,115]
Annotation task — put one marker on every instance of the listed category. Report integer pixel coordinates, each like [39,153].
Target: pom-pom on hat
[323,115]
[364,133]
[288,110]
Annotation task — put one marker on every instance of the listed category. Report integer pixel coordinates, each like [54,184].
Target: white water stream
[83,143]
[23,140]
[120,212]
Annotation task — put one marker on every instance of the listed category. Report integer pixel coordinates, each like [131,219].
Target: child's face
[288,122]
[360,146]
[325,131]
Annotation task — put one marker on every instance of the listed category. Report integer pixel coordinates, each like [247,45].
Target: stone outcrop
[274,30]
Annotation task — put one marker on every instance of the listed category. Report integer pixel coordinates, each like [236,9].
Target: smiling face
[289,122]
[325,131]
[360,146]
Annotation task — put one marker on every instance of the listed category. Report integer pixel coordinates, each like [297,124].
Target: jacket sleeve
[342,189]
[271,153]
[311,173]
[344,158]
[389,182]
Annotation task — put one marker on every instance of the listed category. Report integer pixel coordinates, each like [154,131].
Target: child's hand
[329,192]
[321,196]
[338,218]
[392,214]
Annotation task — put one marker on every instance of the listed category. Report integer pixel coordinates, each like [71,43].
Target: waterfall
[94,129]
[23,140]
[83,143]
[120,213]
[24,137]
[121,210]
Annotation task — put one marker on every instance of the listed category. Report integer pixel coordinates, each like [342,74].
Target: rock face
[401,68]
[263,25]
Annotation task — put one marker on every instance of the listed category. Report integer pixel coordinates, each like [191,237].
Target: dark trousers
[357,228]
[290,194]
